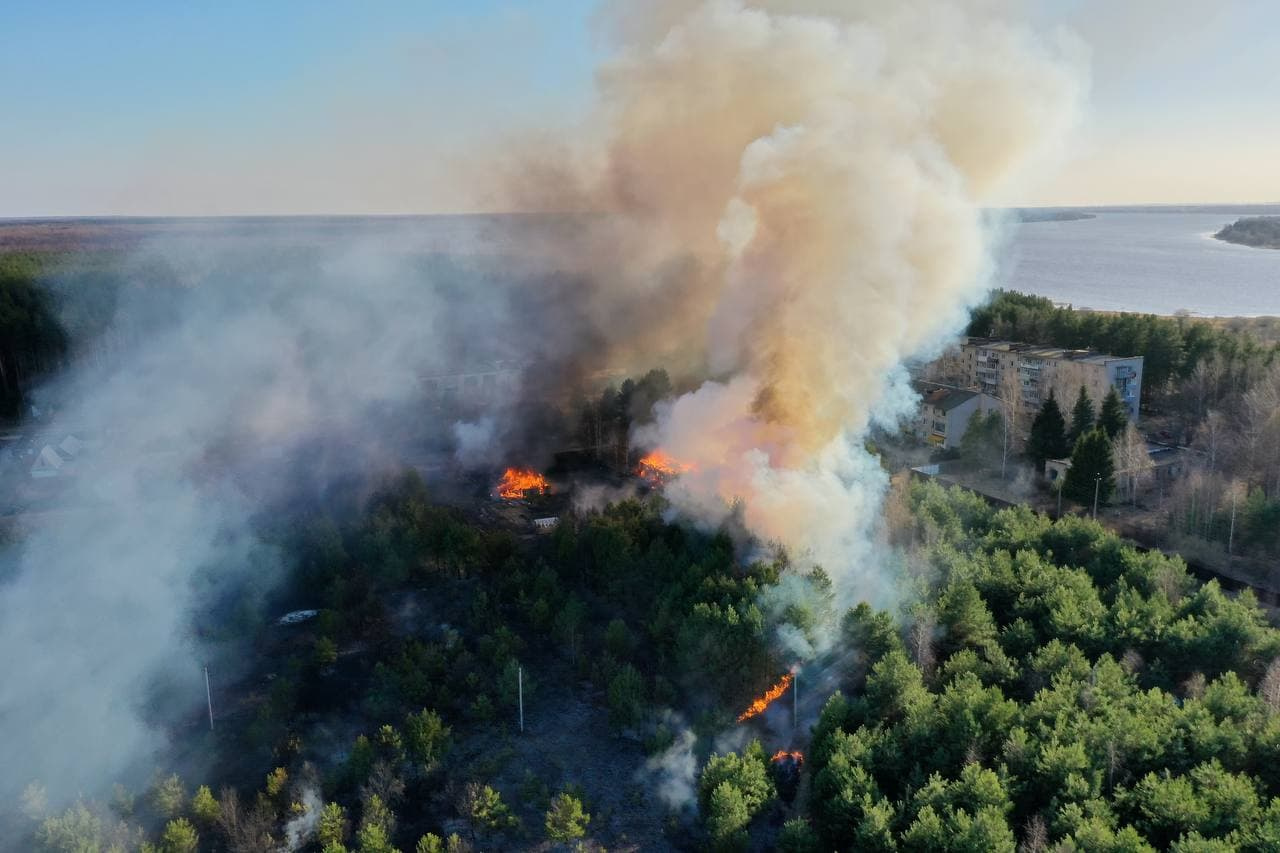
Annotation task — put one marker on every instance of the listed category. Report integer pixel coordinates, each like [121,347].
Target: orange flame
[659,466]
[517,482]
[782,755]
[757,707]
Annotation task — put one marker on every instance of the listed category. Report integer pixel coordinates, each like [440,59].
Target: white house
[48,463]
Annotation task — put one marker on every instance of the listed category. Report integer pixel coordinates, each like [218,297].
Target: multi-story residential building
[1026,372]
[945,412]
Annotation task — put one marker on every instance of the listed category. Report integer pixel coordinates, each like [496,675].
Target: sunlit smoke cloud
[795,194]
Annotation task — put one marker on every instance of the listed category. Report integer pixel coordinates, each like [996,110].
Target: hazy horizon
[1207,207]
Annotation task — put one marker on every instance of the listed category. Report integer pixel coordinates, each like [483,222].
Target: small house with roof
[945,412]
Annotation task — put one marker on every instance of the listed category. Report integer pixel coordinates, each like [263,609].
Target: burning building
[519,483]
[658,467]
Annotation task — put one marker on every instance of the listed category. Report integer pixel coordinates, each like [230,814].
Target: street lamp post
[1097,484]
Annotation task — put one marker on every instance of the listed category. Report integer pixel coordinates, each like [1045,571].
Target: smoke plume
[782,202]
[241,380]
[795,192]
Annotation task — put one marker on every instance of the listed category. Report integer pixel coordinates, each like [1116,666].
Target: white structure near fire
[945,412]
[58,460]
[485,382]
[1027,372]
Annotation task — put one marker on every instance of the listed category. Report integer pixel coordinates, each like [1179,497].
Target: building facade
[1027,373]
[482,383]
[945,412]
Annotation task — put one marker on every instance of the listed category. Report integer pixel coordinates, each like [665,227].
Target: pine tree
[1090,460]
[179,837]
[1081,417]
[204,807]
[1113,417]
[566,820]
[1048,438]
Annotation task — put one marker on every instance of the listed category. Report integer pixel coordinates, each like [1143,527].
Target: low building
[57,460]
[487,382]
[1168,463]
[945,411]
[48,463]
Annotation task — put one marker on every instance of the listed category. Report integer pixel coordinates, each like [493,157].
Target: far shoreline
[1252,232]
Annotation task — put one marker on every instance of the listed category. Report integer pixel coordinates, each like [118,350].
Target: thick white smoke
[826,164]
[253,378]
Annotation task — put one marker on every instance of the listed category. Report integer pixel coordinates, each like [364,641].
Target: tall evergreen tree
[1113,417]
[1048,439]
[1090,461]
[1081,417]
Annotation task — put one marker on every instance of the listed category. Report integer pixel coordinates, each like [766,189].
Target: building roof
[1160,454]
[943,397]
[1047,352]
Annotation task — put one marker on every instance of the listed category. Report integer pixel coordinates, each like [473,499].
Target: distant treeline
[1171,347]
[32,340]
[1260,232]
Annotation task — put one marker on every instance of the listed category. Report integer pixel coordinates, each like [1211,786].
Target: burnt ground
[567,744]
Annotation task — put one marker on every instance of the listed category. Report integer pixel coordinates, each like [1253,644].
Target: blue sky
[210,108]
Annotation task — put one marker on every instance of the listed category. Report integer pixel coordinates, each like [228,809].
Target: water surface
[1143,260]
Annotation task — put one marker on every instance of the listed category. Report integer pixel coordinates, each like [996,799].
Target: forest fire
[517,483]
[659,466]
[785,767]
[757,707]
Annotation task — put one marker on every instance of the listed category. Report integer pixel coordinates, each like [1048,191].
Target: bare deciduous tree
[1269,686]
[1133,462]
[246,830]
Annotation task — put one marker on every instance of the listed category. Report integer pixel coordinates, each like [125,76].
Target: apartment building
[1004,368]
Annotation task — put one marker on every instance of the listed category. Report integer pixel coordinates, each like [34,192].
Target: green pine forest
[1041,686]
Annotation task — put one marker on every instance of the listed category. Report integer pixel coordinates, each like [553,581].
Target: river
[1146,260]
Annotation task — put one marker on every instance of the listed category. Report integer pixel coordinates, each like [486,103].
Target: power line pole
[795,701]
[520,693]
[208,695]
[1097,484]
[1231,532]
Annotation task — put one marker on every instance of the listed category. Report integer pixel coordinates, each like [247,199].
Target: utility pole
[208,695]
[1059,515]
[1097,484]
[795,701]
[520,693]
[1231,531]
